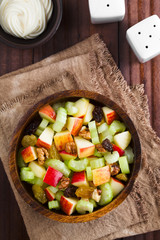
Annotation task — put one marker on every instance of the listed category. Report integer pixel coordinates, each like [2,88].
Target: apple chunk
[79,179]
[109,114]
[67,156]
[29,154]
[60,139]
[46,138]
[84,147]
[88,116]
[48,113]
[116,186]
[119,150]
[68,205]
[81,105]
[52,176]
[101,175]
[39,171]
[74,125]
[49,194]
[123,139]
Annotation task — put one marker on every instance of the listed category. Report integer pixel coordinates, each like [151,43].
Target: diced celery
[105,135]
[102,128]
[60,119]
[26,175]
[53,189]
[66,162]
[54,205]
[26,169]
[38,132]
[130,155]
[106,195]
[84,206]
[71,109]
[111,157]
[59,194]
[94,133]
[58,165]
[97,163]
[37,181]
[57,105]
[124,165]
[78,165]
[116,127]
[20,160]
[43,124]
[97,154]
[50,125]
[89,174]
[93,202]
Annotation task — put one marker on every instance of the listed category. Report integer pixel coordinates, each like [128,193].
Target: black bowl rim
[38,42]
[33,202]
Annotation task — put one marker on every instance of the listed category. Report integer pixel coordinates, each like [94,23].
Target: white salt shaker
[104,11]
[144,38]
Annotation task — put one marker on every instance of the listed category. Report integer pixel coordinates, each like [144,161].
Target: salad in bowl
[77,156]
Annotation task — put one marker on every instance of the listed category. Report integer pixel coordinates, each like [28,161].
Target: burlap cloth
[87,65]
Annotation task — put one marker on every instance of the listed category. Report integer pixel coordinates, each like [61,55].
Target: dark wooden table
[75,27]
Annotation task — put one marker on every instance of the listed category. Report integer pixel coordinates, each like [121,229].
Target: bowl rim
[14,146]
[38,42]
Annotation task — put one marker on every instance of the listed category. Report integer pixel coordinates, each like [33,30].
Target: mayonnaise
[25,18]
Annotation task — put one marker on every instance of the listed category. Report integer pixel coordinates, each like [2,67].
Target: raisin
[107,145]
[39,194]
[122,177]
[70,191]
[97,114]
[32,127]
[29,140]
[53,152]
[84,192]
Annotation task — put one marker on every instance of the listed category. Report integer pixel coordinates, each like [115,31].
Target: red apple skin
[52,177]
[40,143]
[28,155]
[101,175]
[50,196]
[119,150]
[119,187]
[49,111]
[66,205]
[111,117]
[60,141]
[79,179]
[77,126]
[89,150]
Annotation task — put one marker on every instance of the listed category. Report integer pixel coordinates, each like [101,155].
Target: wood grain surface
[75,27]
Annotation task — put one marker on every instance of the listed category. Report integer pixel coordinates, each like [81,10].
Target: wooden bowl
[51,29]
[26,193]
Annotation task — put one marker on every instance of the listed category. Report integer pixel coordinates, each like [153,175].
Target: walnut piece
[115,169]
[100,148]
[85,133]
[42,155]
[96,195]
[64,183]
[70,147]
